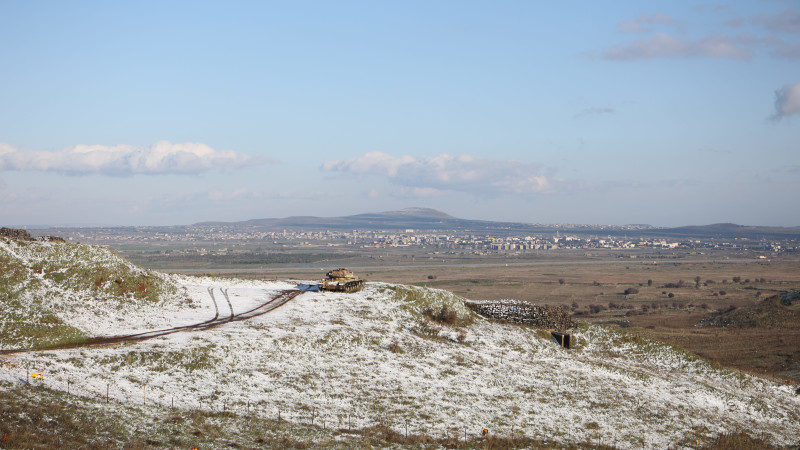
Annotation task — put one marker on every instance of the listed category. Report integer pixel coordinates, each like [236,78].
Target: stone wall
[545,316]
[15,233]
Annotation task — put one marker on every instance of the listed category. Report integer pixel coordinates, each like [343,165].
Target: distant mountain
[417,218]
[431,219]
[420,212]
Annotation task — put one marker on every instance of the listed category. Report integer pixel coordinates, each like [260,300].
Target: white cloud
[642,22]
[162,157]
[662,45]
[595,112]
[788,51]
[218,195]
[787,101]
[430,175]
[420,192]
[787,21]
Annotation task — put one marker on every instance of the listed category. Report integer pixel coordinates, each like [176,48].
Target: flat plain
[669,293]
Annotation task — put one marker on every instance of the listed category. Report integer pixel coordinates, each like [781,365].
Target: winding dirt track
[282,298]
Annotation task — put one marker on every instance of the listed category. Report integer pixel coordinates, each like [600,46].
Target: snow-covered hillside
[375,356]
[53,293]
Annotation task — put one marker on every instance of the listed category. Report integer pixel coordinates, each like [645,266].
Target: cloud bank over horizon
[161,158]
[662,45]
[720,43]
[444,172]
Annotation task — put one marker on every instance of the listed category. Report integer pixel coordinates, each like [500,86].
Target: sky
[623,112]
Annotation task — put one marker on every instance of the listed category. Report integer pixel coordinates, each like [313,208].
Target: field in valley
[588,285]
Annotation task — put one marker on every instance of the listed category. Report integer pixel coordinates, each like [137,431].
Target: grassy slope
[42,283]
[36,417]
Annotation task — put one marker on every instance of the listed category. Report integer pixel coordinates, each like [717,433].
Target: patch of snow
[362,354]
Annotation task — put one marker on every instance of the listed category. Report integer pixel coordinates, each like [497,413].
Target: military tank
[341,280]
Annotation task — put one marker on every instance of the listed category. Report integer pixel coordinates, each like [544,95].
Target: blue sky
[156,113]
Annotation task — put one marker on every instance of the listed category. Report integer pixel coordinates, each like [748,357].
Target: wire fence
[350,421]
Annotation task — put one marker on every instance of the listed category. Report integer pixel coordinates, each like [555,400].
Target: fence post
[107,392]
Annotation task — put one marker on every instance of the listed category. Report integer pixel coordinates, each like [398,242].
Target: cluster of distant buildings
[222,239]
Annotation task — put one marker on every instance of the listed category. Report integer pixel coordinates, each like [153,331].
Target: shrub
[561,281]
[445,315]
[671,295]
[721,292]
[395,347]
[630,291]
[594,309]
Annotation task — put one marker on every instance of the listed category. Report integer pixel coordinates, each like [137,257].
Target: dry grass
[739,441]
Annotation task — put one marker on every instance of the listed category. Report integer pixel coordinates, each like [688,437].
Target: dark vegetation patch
[777,311]
[738,441]
[445,315]
[36,417]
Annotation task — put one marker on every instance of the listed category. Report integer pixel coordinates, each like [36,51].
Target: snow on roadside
[363,354]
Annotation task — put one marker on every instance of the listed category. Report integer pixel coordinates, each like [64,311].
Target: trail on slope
[282,298]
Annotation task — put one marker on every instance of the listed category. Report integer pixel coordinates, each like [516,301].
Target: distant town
[233,239]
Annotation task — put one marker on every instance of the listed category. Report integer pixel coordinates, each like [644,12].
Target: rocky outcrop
[545,316]
[17,234]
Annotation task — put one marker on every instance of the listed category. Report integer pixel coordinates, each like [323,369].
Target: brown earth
[664,301]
